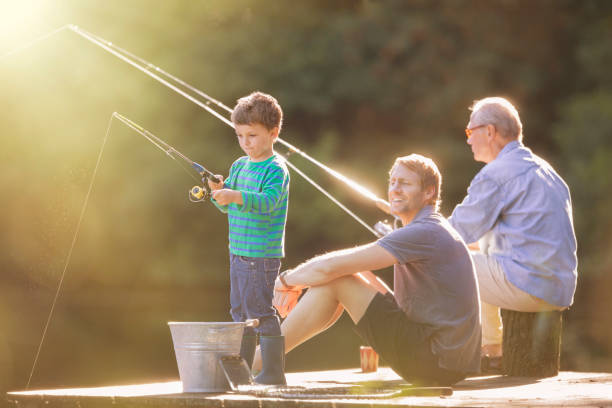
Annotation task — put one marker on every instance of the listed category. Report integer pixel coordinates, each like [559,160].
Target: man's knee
[333,289]
[349,283]
[354,293]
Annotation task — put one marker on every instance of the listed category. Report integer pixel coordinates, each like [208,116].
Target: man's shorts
[402,343]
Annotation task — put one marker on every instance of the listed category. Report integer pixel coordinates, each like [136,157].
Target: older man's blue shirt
[519,210]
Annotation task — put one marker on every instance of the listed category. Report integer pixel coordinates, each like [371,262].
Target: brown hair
[427,171]
[259,108]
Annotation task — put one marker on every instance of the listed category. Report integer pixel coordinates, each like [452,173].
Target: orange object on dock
[369,359]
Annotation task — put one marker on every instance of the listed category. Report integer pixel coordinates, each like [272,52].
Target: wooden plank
[566,389]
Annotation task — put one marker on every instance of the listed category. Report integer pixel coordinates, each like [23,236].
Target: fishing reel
[198,194]
[385,227]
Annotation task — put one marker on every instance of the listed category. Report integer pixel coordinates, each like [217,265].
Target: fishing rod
[146,66]
[197,193]
[292,149]
[186,90]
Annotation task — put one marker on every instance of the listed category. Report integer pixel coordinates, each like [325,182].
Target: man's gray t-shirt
[435,285]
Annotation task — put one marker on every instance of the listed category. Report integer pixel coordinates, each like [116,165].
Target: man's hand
[215,186]
[226,196]
[285,298]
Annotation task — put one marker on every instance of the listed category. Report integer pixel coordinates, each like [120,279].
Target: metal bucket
[198,347]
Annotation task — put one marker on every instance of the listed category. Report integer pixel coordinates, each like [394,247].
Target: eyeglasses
[469,131]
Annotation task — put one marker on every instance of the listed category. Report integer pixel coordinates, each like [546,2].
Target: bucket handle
[251,323]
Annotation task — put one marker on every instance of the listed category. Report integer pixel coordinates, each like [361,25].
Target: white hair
[500,113]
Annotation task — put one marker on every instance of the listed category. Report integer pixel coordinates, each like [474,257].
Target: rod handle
[205,173]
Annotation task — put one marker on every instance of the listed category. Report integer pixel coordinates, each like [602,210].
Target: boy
[255,197]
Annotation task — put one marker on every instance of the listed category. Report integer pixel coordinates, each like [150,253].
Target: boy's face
[256,140]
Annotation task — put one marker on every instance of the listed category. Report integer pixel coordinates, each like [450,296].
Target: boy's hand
[227,196]
[215,186]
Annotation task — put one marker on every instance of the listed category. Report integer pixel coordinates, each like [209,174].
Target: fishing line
[74,239]
[332,198]
[149,65]
[109,47]
[31,43]
[166,148]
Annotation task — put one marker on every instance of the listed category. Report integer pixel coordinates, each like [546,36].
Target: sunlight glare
[163,388]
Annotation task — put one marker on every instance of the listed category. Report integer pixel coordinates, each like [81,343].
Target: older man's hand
[285,298]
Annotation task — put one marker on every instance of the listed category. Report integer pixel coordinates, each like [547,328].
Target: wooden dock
[323,389]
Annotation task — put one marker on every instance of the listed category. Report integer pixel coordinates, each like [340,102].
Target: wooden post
[531,343]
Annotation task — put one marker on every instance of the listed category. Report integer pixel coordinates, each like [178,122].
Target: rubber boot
[272,361]
[247,349]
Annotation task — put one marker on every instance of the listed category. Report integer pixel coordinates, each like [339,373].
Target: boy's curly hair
[258,107]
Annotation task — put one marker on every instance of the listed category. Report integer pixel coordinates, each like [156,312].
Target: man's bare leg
[321,307]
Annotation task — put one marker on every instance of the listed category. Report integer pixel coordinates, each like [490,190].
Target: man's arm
[325,268]
[479,210]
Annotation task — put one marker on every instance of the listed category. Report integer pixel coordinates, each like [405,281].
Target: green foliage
[583,138]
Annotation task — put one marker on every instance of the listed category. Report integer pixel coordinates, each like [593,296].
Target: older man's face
[479,139]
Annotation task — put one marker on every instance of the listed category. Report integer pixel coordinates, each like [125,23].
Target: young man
[519,211]
[428,329]
[256,196]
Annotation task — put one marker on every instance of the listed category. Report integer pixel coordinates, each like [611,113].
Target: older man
[428,330]
[519,211]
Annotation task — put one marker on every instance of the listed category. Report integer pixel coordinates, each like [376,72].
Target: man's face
[480,140]
[256,140]
[406,198]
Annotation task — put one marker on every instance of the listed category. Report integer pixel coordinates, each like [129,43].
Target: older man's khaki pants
[497,292]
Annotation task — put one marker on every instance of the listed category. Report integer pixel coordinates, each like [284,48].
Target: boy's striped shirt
[257,227]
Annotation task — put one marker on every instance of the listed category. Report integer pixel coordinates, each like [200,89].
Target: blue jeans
[251,292]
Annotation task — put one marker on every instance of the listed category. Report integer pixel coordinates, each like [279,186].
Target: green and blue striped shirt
[257,227]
